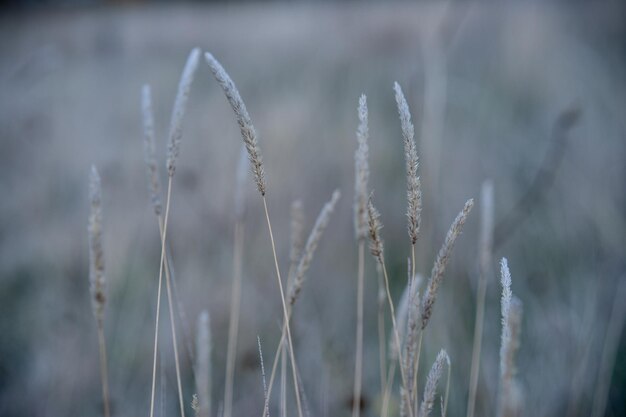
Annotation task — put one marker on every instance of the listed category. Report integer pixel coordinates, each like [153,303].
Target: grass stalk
[395,332]
[163,233]
[358,367]
[609,351]
[233,327]
[478,333]
[416,366]
[97,277]
[285,311]
[170,303]
[104,375]
[388,386]
[485,255]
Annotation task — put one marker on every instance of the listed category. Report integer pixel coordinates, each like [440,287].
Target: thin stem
[416,362]
[388,386]
[103,368]
[174,344]
[395,331]
[382,354]
[283,380]
[416,366]
[285,312]
[478,338]
[277,357]
[358,367]
[283,354]
[413,261]
[233,328]
[609,351]
[163,233]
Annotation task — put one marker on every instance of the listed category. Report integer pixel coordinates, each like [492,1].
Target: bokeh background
[531,96]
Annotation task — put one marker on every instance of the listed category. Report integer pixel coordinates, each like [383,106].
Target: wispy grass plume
[241,176]
[414,189]
[436,276]
[149,147]
[243,119]
[362,172]
[297,233]
[251,142]
[430,390]
[510,401]
[311,245]
[374,226]
[180,106]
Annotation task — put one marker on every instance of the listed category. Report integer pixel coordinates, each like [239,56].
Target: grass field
[531,97]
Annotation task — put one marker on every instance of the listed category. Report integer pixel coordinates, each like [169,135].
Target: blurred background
[530,95]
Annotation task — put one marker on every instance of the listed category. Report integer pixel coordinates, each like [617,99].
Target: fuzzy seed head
[374,225]
[436,276]
[361,172]
[311,245]
[414,187]
[507,294]
[297,232]
[149,148]
[509,404]
[430,389]
[243,120]
[240,185]
[180,106]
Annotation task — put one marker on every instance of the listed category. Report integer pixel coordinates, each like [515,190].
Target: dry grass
[497,125]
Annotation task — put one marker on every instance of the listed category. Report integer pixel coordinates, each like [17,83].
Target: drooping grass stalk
[360,225]
[486,238]
[203,364]
[235,301]
[376,249]
[97,278]
[250,140]
[175,137]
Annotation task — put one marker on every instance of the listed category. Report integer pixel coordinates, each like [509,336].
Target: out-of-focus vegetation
[532,97]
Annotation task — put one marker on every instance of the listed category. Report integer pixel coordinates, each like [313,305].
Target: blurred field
[486,84]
